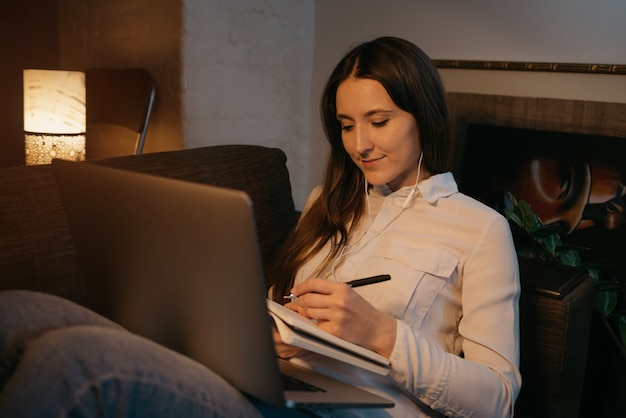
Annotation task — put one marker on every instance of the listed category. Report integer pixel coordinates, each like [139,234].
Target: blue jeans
[58,359]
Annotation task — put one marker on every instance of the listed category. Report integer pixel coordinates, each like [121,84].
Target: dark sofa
[37,253]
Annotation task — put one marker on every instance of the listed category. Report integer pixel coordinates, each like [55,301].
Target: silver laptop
[179,263]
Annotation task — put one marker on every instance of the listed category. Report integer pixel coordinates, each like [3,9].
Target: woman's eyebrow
[372,112]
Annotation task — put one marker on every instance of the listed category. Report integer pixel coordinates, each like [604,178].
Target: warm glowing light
[54,115]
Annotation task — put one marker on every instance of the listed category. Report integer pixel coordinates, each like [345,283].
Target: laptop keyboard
[292,384]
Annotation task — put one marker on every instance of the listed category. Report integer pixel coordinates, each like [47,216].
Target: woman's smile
[371,162]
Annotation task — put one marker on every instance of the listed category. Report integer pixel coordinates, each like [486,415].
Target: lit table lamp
[54,116]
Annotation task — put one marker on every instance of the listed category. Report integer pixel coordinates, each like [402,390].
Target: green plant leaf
[550,243]
[527,215]
[511,215]
[568,255]
[594,274]
[550,230]
[605,301]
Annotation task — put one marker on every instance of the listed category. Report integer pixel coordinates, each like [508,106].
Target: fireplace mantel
[560,115]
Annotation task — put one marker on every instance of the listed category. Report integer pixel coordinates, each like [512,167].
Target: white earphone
[414,189]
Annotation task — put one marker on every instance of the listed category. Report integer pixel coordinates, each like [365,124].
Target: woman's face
[382,139]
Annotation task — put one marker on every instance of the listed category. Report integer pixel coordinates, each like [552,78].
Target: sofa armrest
[556,308]
[36,246]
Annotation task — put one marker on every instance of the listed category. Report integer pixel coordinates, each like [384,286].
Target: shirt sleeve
[484,381]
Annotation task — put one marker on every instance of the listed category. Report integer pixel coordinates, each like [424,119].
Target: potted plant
[538,240]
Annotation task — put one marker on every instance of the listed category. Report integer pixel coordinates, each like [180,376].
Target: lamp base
[43,148]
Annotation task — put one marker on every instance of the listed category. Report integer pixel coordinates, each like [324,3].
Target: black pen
[358,282]
[369,280]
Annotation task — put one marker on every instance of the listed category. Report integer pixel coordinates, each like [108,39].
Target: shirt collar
[431,189]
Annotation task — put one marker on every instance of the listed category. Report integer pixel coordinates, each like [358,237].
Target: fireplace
[567,158]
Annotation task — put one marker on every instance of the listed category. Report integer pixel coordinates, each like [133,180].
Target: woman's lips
[371,162]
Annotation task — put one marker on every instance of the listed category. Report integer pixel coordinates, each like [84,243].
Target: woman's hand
[341,311]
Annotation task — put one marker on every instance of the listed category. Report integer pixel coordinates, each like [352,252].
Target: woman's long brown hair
[413,83]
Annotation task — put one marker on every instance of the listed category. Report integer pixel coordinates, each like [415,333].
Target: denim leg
[87,371]
[26,315]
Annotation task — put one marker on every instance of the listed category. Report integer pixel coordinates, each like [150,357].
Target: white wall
[531,30]
[246,77]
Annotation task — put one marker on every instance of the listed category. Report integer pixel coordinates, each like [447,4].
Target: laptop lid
[179,263]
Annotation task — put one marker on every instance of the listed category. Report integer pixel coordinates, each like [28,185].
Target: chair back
[118,98]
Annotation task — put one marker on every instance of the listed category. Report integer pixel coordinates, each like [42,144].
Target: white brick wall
[246,77]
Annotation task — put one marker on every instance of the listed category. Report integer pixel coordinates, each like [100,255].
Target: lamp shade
[54,115]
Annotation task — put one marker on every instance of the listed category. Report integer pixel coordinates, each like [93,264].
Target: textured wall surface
[130,33]
[227,71]
[246,77]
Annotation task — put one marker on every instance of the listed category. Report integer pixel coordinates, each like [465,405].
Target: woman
[447,320]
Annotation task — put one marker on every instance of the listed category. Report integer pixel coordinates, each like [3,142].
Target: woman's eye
[346,128]
[381,123]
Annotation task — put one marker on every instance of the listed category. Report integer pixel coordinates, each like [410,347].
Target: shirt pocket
[421,273]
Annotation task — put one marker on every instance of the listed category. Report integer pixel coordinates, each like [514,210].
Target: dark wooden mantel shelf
[532,66]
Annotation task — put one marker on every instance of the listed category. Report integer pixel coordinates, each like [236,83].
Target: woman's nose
[363,144]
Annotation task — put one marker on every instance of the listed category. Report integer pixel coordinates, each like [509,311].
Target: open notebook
[302,332]
[179,263]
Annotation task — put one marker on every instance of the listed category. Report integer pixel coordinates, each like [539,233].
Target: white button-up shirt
[454,292]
